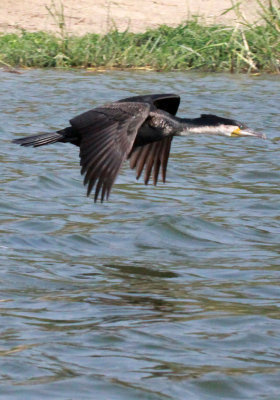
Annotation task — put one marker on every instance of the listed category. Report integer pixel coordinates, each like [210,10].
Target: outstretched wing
[107,136]
[152,156]
[165,102]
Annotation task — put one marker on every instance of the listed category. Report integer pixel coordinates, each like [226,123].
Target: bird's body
[139,128]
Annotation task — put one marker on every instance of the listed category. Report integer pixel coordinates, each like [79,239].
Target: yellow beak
[247,132]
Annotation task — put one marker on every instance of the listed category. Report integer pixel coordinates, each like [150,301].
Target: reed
[190,46]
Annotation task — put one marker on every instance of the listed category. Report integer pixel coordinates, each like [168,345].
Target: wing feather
[157,163]
[150,162]
[167,102]
[107,137]
[92,157]
[154,157]
[144,152]
[164,157]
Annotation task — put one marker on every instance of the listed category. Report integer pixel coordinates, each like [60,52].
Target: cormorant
[140,129]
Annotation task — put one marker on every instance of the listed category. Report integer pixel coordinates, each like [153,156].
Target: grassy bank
[190,46]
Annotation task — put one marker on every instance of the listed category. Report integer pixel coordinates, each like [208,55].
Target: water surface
[162,293]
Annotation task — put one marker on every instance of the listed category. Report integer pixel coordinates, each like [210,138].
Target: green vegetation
[190,46]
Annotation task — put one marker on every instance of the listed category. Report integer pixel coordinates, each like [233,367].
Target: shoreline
[190,47]
[246,47]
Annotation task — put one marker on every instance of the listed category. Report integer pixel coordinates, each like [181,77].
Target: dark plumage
[138,128]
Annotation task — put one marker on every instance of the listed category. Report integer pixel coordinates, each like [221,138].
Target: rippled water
[161,293]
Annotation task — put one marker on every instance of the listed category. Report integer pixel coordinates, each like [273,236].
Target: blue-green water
[162,293]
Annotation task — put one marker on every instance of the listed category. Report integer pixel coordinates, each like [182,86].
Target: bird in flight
[139,128]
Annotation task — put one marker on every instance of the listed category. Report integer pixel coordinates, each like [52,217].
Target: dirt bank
[100,15]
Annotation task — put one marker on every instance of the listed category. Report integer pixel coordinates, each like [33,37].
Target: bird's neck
[189,126]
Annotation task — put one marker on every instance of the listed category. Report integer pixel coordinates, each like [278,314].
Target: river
[161,293]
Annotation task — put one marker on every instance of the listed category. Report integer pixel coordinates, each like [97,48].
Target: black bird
[140,129]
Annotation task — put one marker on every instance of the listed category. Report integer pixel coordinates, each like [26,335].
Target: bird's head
[212,124]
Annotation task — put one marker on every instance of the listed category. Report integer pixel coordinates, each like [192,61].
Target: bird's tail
[39,140]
